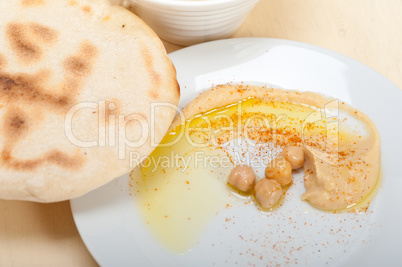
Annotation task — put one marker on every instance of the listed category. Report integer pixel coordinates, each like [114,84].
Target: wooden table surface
[369,31]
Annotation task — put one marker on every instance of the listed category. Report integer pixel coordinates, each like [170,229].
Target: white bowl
[189,22]
[191,37]
[191,5]
[188,17]
[198,25]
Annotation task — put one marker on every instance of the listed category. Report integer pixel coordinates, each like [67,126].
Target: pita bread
[77,79]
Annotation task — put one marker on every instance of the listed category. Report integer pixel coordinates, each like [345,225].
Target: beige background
[369,31]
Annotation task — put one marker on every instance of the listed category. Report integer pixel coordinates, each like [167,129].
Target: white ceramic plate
[296,233]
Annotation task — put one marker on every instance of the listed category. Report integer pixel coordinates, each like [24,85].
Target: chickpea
[280,170]
[295,156]
[242,177]
[268,192]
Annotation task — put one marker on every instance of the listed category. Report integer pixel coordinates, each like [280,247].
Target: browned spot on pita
[154,94]
[155,77]
[3,62]
[59,158]
[16,125]
[86,9]
[80,64]
[55,157]
[25,88]
[22,46]
[18,165]
[44,33]
[155,80]
[73,3]
[106,18]
[88,51]
[29,3]
[76,65]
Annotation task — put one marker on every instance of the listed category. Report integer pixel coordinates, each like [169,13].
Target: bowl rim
[176,19]
[183,5]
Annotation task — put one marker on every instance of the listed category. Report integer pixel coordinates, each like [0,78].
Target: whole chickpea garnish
[268,192]
[279,169]
[242,177]
[295,156]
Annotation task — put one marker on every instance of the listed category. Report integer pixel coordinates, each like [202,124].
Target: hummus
[341,144]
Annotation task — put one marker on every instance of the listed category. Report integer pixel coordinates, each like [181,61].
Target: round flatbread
[86,91]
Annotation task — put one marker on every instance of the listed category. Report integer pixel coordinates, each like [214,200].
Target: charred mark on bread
[23,92]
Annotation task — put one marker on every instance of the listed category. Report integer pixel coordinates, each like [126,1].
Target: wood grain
[369,31]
